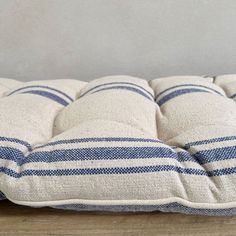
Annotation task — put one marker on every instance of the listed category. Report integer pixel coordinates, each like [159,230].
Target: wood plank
[20,220]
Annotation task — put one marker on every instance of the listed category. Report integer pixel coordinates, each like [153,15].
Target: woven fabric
[120,143]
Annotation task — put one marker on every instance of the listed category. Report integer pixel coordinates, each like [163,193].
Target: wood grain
[20,220]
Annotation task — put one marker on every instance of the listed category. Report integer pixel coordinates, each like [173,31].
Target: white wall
[84,39]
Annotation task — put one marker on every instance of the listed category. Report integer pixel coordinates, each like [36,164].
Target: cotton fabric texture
[120,143]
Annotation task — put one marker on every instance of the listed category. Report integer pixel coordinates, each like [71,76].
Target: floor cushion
[120,143]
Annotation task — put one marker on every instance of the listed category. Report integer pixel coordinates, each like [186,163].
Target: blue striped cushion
[120,143]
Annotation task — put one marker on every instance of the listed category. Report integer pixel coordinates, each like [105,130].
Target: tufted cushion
[120,143]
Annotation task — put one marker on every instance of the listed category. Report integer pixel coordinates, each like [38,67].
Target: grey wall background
[85,39]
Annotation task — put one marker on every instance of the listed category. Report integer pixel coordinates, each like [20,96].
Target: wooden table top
[20,220]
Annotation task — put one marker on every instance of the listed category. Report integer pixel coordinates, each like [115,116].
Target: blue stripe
[12,154]
[51,96]
[15,140]
[217,154]
[42,86]
[102,139]
[111,153]
[207,141]
[115,153]
[132,89]
[187,85]
[100,85]
[81,140]
[97,153]
[185,156]
[118,171]
[179,93]
[106,153]
[202,157]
